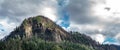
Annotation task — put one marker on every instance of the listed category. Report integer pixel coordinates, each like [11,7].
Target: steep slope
[45,29]
[42,27]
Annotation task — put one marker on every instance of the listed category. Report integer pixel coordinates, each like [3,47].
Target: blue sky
[109,39]
[86,16]
[1,28]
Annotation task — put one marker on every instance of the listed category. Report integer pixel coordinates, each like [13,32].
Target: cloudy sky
[99,19]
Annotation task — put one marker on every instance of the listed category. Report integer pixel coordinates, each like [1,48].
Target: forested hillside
[40,33]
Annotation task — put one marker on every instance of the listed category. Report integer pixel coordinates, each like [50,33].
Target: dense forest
[36,43]
[41,33]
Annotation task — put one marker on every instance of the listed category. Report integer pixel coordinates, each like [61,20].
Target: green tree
[56,47]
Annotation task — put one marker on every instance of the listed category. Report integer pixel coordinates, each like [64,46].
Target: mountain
[46,29]
[43,32]
[41,27]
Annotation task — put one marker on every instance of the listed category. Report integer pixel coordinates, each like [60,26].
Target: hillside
[46,29]
[41,27]
[38,33]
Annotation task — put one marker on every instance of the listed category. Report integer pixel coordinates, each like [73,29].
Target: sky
[99,19]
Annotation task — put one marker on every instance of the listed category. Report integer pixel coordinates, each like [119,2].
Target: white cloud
[116,43]
[99,38]
[59,22]
[94,17]
[86,16]
[23,8]
[8,27]
[49,12]
[13,12]
[118,37]
[87,29]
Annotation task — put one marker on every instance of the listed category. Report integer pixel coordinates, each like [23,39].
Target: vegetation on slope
[40,33]
[39,44]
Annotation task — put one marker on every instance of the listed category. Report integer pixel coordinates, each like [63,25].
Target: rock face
[42,27]
[47,30]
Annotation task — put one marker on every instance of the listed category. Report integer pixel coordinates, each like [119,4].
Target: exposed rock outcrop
[42,27]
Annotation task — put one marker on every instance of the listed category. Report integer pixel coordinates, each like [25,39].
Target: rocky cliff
[42,27]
